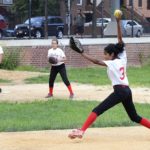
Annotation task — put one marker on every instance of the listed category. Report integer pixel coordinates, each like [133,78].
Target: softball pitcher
[116,62]
[57,59]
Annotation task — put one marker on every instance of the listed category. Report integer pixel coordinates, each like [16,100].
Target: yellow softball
[118,13]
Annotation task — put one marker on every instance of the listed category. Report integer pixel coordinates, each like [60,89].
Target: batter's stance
[58,67]
[116,62]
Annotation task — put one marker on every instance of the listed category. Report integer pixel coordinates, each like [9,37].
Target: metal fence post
[69,19]
[30,3]
[132,13]
[46,20]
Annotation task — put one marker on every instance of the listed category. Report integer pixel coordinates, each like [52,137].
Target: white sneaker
[77,133]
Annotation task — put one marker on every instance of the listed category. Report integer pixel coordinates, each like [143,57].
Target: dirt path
[124,138]
[17,77]
[31,92]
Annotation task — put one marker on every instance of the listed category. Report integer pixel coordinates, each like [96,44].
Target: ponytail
[115,48]
[119,47]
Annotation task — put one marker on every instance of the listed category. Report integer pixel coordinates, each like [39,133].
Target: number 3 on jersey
[122,73]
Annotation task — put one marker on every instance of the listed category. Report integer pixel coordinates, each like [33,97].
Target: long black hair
[114,48]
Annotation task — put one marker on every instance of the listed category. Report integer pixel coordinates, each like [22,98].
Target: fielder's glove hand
[76,45]
[53,60]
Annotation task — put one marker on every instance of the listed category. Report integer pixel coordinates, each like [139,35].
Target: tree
[20,8]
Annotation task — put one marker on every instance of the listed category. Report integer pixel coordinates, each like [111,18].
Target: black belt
[120,85]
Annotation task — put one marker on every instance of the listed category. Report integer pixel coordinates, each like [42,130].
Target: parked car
[55,27]
[127,28]
[9,33]
[3,25]
[99,22]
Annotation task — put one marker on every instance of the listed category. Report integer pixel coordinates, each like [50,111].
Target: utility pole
[30,3]
[94,20]
[132,14]
[69,17]
[46,19]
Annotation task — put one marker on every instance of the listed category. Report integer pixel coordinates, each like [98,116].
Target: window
[130,2]
[79,2]
[134,23]
[7,2]
[130,23]
[140,3]
[51,20]
[121,2]
[59,20]
[148,4]
[88,17]
[88,2]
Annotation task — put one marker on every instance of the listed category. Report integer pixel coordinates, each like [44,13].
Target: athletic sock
[91,118]
[145,122]
[70,89]
[51,90]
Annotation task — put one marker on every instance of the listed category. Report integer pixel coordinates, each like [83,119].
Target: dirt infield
[124,138]
[120,138]
[18,91]
[30,92]
[17,77]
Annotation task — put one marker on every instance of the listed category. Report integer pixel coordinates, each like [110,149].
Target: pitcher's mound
[121,138]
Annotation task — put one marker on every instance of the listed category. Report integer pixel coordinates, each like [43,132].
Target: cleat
[78,133]
[49,95]
[71,96]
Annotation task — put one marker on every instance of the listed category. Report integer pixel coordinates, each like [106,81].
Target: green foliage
[11,59]
[61,114]
[20,8]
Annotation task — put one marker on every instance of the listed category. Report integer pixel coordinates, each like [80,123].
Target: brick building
[141,11]
[86,6]
[142,7]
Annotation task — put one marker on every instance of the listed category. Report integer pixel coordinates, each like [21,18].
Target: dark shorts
[79,29]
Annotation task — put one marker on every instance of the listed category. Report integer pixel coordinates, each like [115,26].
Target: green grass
[32,69]
[38,80]
[94,75]
[5,81]
[138,76]
[60,114]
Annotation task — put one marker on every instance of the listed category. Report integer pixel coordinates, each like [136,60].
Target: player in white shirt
[116,62]
[1,57]
[58,68]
